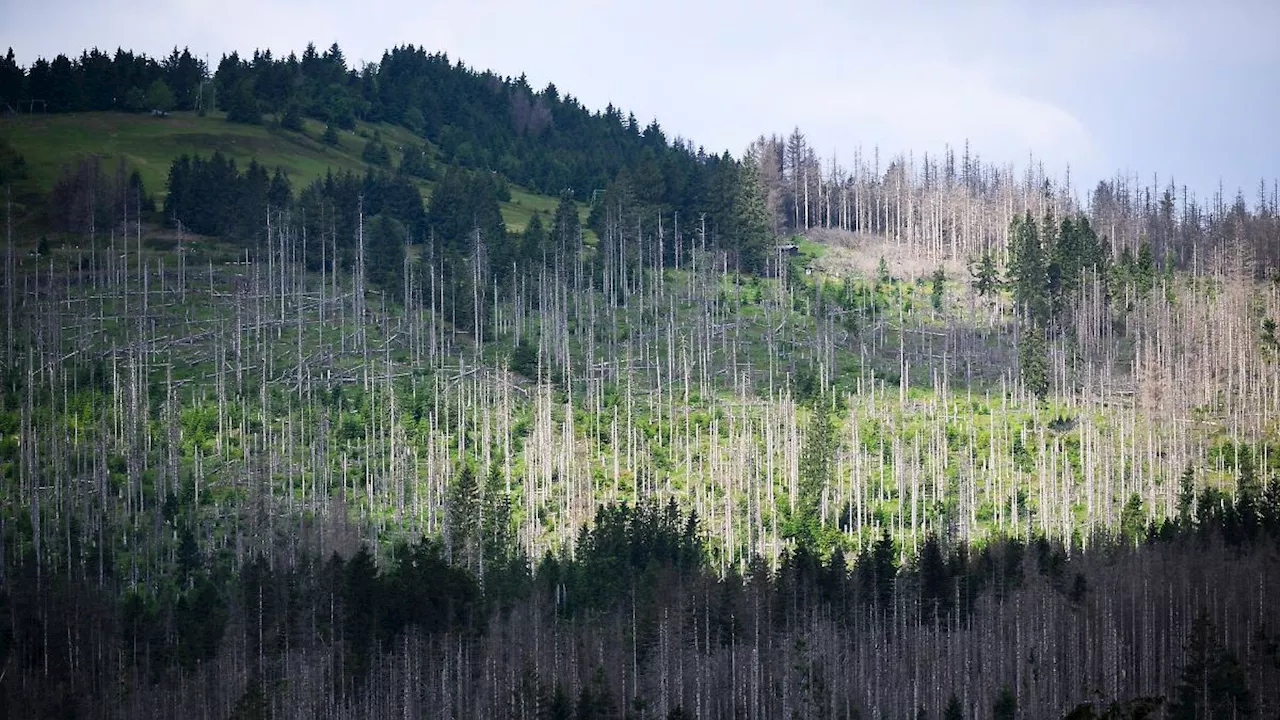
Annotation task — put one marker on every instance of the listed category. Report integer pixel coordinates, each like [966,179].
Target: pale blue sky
[1189,89]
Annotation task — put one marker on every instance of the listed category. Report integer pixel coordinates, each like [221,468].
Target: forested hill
[537,138]
[422,123]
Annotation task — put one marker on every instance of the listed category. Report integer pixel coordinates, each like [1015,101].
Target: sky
[1181,89]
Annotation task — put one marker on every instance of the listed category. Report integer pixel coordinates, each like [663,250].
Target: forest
[706,436]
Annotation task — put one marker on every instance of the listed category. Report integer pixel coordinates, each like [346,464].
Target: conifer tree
[1033,361]
[566,227]
[816,469]
[462,524]
[752,229]
[937,292]
[533,241]
[1213,686]
[1005,706]
[935,593]
[1029,270]
[1186,497]
[985,275]
[242,105]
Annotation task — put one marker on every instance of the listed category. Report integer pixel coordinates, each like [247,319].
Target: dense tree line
[476,121]
[549,142]
[1052,270]
[461,227]
[97,80]
[1049,264]
[212,197]
[628,571]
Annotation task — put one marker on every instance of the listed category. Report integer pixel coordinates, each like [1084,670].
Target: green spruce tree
[753,231]
[954,710]
[816,468]
[1005,706]
[1033,361]
[1029,270]
[1213,685]
[938,289]
[985,275]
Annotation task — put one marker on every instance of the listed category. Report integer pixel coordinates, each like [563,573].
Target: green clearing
[50,143]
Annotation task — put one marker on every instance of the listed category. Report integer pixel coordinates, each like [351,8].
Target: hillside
[737,441]
[52,142]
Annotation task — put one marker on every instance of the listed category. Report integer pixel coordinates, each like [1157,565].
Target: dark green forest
[636,593]
[534,137]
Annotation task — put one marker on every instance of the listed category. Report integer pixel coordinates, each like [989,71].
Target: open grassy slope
[149,144]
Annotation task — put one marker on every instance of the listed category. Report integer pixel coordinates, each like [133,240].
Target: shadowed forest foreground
[1180,619]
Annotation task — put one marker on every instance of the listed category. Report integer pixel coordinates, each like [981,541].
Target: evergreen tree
[1144,268]
[462,528]
[566,228]
[560,706]
[291,119]
[1033,361]
[280,191]
[385,239]
[242,104]
[1029,269]
[595,702]
[878,570]
[1268,334]
[1054,298]
[816,469]
[1072,254]
[721,196]
[200,617]
[1213,686]
[533,241]
[462,202]
[1094,253]
[1244,518]
[1133,519]
[937,292]
[360,600]
[985,275]
[376,153]
[416,163]
[252,705]
[1005,706]
[935,590]
[330,136]
[752,230]
[1247,483]
[954,710]
[1186,497]
[11,78]
[498,538]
